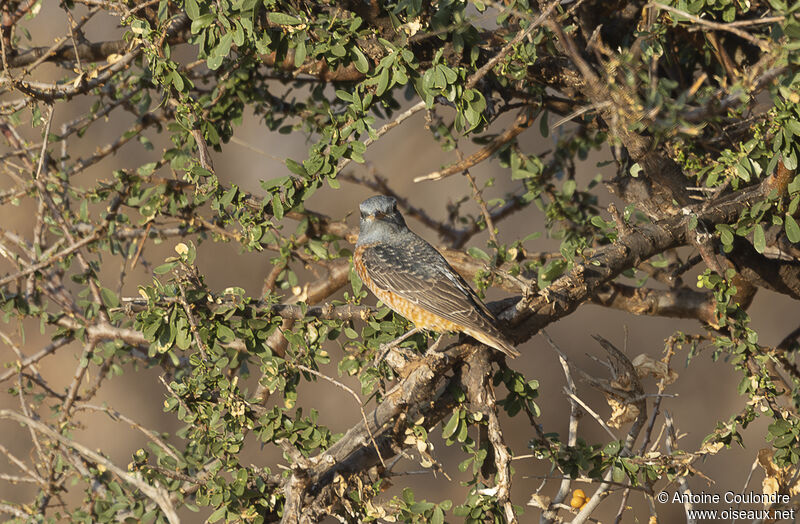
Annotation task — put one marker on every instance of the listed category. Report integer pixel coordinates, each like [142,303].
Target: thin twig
[201,346]
[591,412]
[21,465]
[480,73]
[683,485]
[157,494]
[715,25]
[550,515]
[522,122]
[117,416]
[80,372]
[355,396]
[53,259]
[478,197]
[36,357]
[402,117]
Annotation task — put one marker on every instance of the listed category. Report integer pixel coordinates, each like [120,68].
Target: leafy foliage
[696,104]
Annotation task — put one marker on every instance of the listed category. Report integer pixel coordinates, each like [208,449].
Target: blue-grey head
[380,220]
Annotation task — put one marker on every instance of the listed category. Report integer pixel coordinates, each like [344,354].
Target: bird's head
[380,219]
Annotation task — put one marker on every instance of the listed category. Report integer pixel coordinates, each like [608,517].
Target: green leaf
[164,268]
[218,514]
[277,206]
[420,507]
[475,252]
[793,126]
[300,54]
[463,430]
[266,185]
[183,338]
[790,160]
[214,61]
[725,234]
[177,81]
[355,282]
[618,475]
[318,248]
[140,27]
[794,185]
[784,440]
[383,82]
[759,241]
[552,271]
[201,22]
[792,229]
[360,61]
[110,298]
[438,516]
[449,429]
[612,448]
[192,9]
[779,427]
[225,334]
[144,170]
[296,168]
[338,50]
[569,188]
[283,19]
[224,46]
[344,95]
[544,125]
[598,222]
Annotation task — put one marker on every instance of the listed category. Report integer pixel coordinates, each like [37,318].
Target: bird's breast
[417,314]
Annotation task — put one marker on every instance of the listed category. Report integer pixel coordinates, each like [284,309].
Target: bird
[414,280]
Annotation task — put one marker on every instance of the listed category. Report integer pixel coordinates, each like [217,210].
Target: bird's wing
[418,273]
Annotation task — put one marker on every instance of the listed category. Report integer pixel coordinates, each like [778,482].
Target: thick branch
[563,296]
[781,276]
[675,303]
[88,52]
[354,452]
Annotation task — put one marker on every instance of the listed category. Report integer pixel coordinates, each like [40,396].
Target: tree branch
[157,494]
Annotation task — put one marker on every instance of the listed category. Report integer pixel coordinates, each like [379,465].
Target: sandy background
[706,390]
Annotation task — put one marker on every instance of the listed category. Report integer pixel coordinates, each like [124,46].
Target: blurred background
[705,392]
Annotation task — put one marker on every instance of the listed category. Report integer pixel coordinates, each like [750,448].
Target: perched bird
[407,274]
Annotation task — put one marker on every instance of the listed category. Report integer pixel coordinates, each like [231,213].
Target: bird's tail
[496,341]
